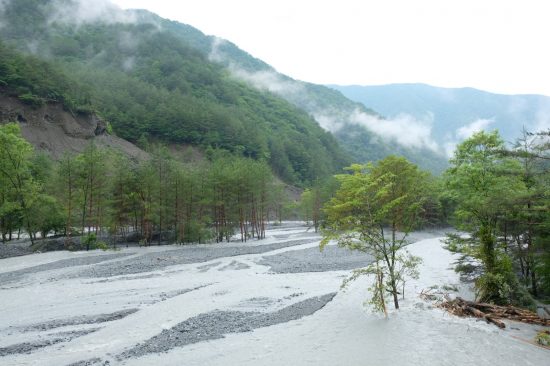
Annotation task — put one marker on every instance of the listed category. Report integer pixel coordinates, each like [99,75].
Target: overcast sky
[500,46]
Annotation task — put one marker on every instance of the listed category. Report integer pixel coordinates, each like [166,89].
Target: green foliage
[493,288]
[101,192]
[406,266]
[375,198]
[313,199]
[501,198]
[109,128]
[101,245]
[47,215]
[18,189]
[31,99]
[153,78]
[543,338]
[36,82]
[90,241]
[378,288]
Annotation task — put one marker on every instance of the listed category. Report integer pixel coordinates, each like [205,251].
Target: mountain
[452,114]
[158,79]
[361,131]
[133,70]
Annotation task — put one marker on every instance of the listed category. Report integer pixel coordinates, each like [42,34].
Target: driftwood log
[492,313]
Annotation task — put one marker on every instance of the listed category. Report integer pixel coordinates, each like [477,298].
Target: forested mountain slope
[148,81]
[151,77]
[362,132]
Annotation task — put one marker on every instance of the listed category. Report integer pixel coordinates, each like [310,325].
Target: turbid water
[271,302]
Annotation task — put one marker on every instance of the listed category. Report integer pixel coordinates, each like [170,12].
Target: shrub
[101,245]
[32,100]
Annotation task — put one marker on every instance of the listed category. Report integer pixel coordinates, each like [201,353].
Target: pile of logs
[492,313]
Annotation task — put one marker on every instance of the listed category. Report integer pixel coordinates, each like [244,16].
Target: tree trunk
[488,248]
[394,291]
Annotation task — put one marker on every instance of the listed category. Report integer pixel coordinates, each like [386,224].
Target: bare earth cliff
[53,130]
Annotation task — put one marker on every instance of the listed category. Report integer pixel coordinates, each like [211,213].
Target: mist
[465,132]
[79,12]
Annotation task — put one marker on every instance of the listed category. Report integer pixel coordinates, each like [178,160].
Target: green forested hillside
[153,76]
[148,81]
[332,110]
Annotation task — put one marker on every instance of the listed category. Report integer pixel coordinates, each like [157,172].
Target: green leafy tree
[482,182]
[373,211]
[20,189]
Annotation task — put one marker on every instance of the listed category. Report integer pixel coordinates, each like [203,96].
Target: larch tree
[19,188]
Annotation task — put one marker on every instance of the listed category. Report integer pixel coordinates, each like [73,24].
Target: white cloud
[215,52]
[481,124]
[267,80]
[128,63]
[405,129]
[542,120]
[80,12]
[465,132]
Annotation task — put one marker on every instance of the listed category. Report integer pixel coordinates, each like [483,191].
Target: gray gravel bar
[64,263]
[185,255]
[215,324]
[79,320]
[28,347]
[332,258]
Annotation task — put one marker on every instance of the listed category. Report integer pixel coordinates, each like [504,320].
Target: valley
[168,196]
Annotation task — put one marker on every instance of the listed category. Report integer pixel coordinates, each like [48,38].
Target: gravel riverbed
[96,290]
[270,302]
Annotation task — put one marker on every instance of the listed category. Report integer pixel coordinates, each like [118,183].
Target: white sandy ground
[342,333]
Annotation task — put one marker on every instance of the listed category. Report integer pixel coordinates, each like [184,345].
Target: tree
[527,226]
[20,189]
[312,200]
[373,211]
[483,183]
[66,181]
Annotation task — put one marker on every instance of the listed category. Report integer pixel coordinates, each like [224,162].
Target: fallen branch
[432,295]
[491,313]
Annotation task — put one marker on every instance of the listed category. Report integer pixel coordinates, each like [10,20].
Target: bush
[101,245]
[32,100]
[502,289]
[543,338]
[493,288]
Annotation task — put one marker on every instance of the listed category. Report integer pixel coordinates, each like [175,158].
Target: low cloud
[403,128]
[216,54]
[481,124]
[542,120]
[465,132]
[79,12]
[128,64]
[268,80]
